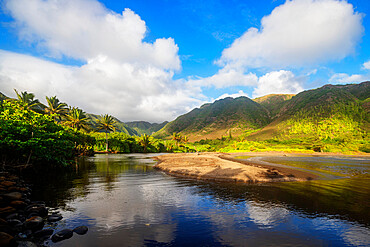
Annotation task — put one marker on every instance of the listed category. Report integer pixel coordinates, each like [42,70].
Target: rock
[33,214]
[4,226]
[18,204]
[12,216]
[6,240]
[81,230]
[34,223]
[55,217]
[7,210]
[26,244]
[15,222]
[40,203]
[3,222]
[13,196]
[43,233]
[39,210]
[61,235]
[22,235]
[7,183]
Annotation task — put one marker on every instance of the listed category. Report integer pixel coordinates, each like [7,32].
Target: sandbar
[224,167]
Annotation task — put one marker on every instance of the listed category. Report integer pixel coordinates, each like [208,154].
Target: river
[126,202]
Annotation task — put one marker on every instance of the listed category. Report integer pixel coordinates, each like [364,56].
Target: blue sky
[154,60]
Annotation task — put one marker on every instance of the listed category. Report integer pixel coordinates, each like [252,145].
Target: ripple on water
[123,200]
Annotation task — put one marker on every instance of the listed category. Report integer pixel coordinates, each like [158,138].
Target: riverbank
[24,222]
[224,167]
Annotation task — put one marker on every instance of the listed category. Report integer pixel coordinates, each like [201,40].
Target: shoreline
[225,167]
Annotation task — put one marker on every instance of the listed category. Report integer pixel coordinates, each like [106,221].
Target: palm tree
[177,138]
[107,123]
[185,139]
[76,118]
[55,107]
[27,99]
[145,141]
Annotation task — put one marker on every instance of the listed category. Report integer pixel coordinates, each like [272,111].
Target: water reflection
[125,202]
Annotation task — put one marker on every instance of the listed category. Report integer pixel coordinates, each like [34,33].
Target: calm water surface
[125,202]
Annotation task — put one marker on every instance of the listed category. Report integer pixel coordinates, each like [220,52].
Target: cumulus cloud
[100,86]
[233,95]
[366,65]
[278,82]
[226,77]
[85,29]
[340,78]
[122,75]
[298,33]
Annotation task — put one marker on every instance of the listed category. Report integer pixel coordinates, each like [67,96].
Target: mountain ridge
[269,116]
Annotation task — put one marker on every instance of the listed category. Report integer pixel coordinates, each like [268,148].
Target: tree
[28,137]
[77,119]
[28,101]
[185,139]
[55,107]
[177,138]
[107,123]
[145,141]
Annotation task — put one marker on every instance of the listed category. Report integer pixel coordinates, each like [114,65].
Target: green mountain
[328,112]
[2,97]
[332,112]
[218,119]
[142,127]
[273,102]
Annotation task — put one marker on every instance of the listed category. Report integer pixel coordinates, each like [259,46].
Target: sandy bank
[223,167]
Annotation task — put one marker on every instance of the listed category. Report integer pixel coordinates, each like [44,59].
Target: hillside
[142,127]
[332,111]
[273,102]
[219,119]
[2,97]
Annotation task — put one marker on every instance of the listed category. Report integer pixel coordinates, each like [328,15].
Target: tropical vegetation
[327,119]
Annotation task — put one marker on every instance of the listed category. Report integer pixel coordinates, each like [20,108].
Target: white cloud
[85,29]
[366,65]
[234,95]
[101,86]
[278,82]
[226,77]
[122,75]
[345,78]
[298,33]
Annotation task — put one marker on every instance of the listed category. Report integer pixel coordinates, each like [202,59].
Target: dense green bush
[28,137]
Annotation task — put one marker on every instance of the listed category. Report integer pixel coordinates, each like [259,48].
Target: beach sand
[224,167]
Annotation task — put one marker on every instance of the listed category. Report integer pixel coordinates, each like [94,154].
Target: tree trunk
[106,141]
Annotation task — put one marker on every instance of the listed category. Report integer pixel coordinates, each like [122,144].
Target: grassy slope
[216,119]
[335,108]
[142,127]
[273,102]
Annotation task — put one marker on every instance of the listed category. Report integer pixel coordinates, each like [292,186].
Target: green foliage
[28,137]
[55,107]
[77,119]
[106,123]
[28,100]
[123,143]
[145,141]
